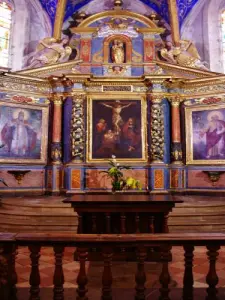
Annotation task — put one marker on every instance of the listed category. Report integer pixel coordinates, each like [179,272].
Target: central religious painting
[116,126]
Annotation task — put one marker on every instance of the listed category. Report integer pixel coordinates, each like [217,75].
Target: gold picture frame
[205,139]
[24,133]
[130,130]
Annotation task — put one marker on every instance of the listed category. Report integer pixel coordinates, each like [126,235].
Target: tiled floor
[123,272]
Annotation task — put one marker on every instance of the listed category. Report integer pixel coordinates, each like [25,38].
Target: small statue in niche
[49,51]
[185,55]
[117,52]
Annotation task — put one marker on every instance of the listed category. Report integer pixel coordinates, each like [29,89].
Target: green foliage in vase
[120,183]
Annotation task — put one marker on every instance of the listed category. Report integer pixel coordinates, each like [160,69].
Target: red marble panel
[158,179]
[75,179]
[49,179]
[34,178]
[174,178]
[196,178]
[96,179]
[85,52]
[149,50]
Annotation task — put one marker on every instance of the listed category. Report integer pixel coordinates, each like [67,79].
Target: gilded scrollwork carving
[157,130]
[77,128]
[56,153]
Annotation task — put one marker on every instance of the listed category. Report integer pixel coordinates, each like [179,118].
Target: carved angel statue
[184,55]
[49,51]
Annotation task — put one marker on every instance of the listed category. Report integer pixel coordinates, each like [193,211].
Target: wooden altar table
[122,213]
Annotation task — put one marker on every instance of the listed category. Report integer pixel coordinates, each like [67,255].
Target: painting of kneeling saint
[22,134]
[207,139]
[117,129]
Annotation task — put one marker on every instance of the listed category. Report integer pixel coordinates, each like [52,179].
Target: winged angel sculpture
[185,55]
[50,51]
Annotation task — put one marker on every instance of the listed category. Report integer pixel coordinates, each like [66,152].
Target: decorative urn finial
[118,4]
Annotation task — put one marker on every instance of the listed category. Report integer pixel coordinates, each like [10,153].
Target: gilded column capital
[175,100]
[78,97]
[57,100]
[156,99]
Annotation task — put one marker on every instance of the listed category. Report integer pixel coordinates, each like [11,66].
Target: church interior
[112,149]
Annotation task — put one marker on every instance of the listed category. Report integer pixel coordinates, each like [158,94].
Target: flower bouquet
[119,182]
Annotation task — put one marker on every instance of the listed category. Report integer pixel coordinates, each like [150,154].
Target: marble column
[176,148]
[59,17]
[174,21]
[56,147]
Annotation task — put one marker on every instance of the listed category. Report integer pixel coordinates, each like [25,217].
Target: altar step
[198,214]
[31,214]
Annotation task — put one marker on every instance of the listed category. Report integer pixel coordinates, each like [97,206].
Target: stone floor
[123,274]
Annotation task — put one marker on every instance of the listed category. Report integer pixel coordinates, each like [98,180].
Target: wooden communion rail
[107,243]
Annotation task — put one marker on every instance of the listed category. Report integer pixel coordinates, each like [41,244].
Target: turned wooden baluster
[123,223]
[188,280]
[80,223]
[94,224]
[137,223]
[58,279]
[34,275]
[123,227]
[140,276]
[212,278]
[107,274]
[5,273]
[164,277]
[82,279]
[165,223]
[13,275]
[151,224]
[108,221]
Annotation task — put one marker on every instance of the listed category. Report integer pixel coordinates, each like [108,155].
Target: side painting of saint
[21,133]
[208,136]
[117,129]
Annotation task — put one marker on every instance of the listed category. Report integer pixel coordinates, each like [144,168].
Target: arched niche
[108,44]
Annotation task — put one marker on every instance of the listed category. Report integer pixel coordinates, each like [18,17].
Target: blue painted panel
[67,114]
[96,46]
[160,7]
[137,71]
[97,71]
[166,112]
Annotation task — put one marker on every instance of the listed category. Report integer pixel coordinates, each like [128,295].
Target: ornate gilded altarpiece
[120,96]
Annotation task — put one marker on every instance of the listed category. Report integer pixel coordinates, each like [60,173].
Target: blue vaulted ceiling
[159,6]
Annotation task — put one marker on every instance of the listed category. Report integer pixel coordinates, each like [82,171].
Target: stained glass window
[223,36]
[5,28]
